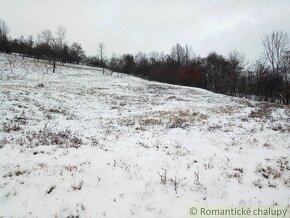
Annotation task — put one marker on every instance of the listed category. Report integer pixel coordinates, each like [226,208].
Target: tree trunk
[287,92]
[54,66]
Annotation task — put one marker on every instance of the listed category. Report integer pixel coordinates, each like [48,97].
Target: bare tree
[113,64]
[4,31]
[188,54]
[236,66]
[46,45]
[101,54]
[178,54]
[52,47]
[45,37]
[276,46]
[286,73]
[10,62]
[59,43]
[60,36]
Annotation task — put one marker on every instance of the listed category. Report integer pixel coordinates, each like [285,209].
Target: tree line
[266,79]
[48,46]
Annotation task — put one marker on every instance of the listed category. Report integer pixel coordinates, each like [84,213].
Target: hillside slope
[79,143]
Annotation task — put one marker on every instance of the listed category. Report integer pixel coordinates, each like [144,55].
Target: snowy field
[78,143]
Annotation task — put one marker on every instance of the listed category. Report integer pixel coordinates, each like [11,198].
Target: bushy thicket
[230,75]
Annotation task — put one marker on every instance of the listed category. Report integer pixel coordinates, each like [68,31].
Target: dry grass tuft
[224,110]
[62,138]
[171,119]
[262,112]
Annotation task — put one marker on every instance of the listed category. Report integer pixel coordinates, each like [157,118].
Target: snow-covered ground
[80,143]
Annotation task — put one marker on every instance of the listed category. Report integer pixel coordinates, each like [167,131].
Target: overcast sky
[129,26]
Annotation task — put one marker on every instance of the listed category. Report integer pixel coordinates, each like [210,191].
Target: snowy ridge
[80,143]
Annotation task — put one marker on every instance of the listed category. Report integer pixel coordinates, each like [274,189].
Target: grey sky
[147,25]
